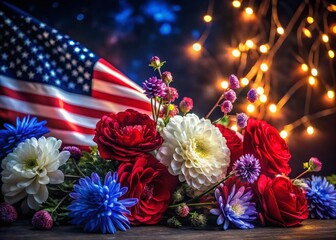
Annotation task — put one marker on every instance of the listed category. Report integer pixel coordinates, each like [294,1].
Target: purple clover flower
[252,95]
[247,168]
[230,95]
[235,208]
[242,120]
[226,106]
[234,82]
[154,87]
[75,152]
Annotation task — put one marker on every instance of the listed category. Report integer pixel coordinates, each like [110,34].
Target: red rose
[233,142]
[149,181]
[264,142]
[282,203]
[125,135]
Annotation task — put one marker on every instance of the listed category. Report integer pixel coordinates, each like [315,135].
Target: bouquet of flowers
[170,168]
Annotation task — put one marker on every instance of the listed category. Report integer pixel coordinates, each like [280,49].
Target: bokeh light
[197,47]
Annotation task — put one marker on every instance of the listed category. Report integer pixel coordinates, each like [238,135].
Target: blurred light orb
[197,47]
[224,84]
[263,48]
[310,20]
[250,108]
[249,43]
[207,18]
[260,90]
[234,128]
[284,134]
[307,33]
[331,94]
[311,80]
[236,4]
[273,108]
[325,38]
[264,67]
[331,53]
[244,81]
[263,98]
[304,67]
[249,11]
[280,30]
[310,130]
[236,53]
[314,72]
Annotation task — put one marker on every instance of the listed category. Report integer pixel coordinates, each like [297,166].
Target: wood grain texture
[310,229]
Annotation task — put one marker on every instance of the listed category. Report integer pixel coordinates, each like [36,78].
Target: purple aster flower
[154,87]
[242,120]
[75,152]
[97,205]
[230,95]
[247,168]
[321,197]
[234,207]
[226,106]
[234,82]
[252,95]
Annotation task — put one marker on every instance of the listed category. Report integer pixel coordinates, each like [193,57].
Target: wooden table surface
[310,229]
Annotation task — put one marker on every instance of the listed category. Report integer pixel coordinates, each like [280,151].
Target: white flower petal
[56,177]
[63,157]
[33,187]
[32,202]
[42,195]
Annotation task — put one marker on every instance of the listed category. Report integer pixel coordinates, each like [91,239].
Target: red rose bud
[186,105]
[182,210]
[8,214]
[314,165]
[167,77]
[42,220]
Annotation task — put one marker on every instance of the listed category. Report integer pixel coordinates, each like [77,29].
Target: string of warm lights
[314,28]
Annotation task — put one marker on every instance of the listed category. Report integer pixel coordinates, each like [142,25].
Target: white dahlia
[30,167]
[195,150]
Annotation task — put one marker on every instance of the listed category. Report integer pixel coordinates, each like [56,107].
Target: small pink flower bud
[167,77]
[230,95]
[8,213]
[155,61]
[186,105]
[234,82]
[182,210]
[42,220]
[226,106]
[315,164]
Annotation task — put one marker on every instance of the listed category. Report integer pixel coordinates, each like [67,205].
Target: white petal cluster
[30,167]
[195,150]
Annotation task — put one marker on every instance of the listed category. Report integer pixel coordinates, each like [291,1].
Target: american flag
[48,75]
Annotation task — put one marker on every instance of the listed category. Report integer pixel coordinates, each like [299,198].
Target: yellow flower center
[201,149]
[238,209]
[30,163]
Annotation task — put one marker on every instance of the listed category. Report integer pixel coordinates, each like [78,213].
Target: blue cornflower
[247,168]
[25,129]
[97,206]
[321,197]
[235,208]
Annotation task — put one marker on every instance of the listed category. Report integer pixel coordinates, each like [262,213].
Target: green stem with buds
[194,204]
[214,107]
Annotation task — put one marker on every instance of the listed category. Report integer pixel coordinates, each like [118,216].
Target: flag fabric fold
[48,75]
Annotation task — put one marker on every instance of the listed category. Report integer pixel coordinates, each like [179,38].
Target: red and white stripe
[72,117]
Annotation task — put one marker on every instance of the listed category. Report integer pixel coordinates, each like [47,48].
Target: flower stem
[301,174]
[59,204]
[213,108]
[76,166]
[210,189]
[153,111]
[193,204]
[71,176]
